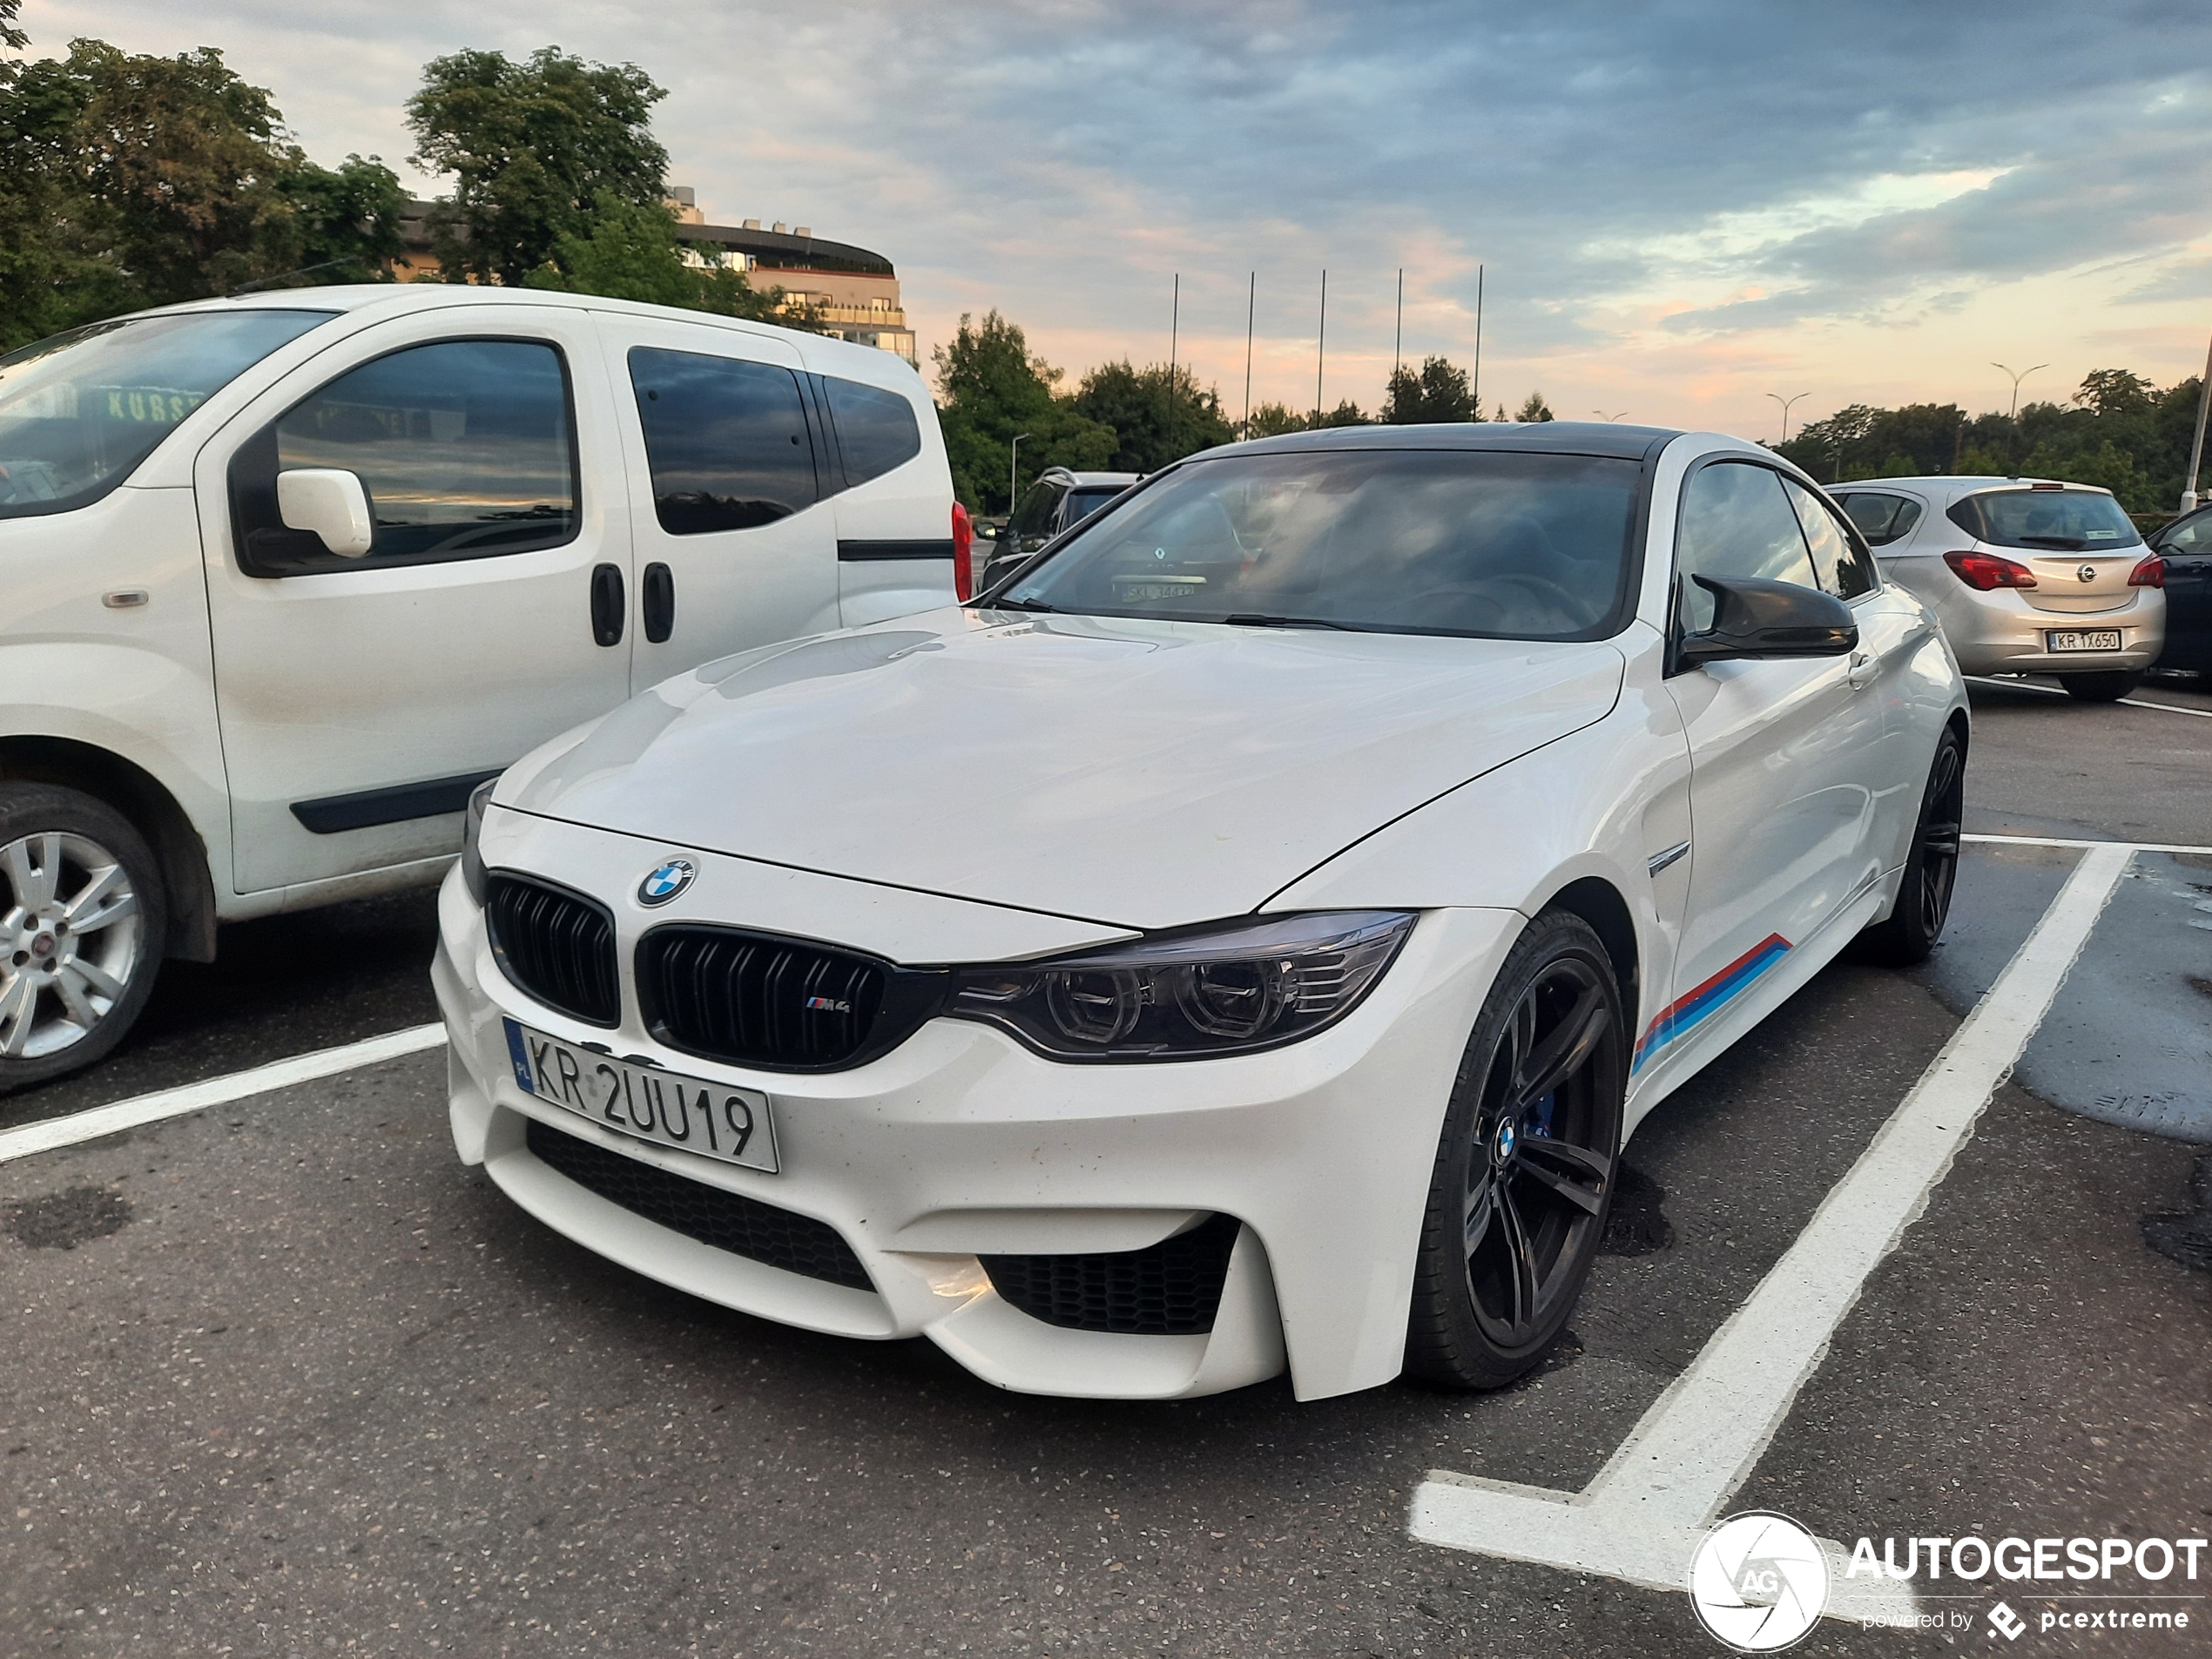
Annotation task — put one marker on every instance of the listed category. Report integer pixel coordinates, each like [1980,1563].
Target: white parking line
[1643,1517]
[215,1091]
[2051,840]
[2053,690]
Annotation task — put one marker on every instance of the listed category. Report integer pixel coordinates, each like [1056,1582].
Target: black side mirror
[1754,617]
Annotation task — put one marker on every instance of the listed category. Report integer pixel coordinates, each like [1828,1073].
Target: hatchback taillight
[2149,572]
[963,554]
[1985,571]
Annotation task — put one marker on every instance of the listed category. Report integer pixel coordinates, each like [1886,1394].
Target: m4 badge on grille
[828,1005]
[665,881]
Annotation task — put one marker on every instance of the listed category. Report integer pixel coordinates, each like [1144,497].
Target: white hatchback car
[2026,576]
[1244,940]
[283,579]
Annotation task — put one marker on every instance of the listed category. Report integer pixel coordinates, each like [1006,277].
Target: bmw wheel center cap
[665,882]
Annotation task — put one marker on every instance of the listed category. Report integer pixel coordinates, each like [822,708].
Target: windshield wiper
[1022,605]
[1253,619]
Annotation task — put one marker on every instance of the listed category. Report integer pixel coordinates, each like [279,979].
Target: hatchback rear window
[2065,521]
[80,411]
[1082,503]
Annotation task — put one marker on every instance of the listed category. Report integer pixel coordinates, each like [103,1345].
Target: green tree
[991,389]
[533,147]
[1272,420]
[1439,391]
[1156,416]
[629,251]
[1535,409]
[1346,414]
[345,221]
[138,181]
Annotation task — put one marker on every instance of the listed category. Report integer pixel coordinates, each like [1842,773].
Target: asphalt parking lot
[284,1378]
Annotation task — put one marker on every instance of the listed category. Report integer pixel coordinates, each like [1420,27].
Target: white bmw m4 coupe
[1242,940]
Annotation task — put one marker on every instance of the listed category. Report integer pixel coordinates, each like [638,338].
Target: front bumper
[960,1144]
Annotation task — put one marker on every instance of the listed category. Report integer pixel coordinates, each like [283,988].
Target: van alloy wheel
[73,933]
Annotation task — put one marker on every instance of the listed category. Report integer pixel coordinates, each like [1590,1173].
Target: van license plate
[644,1103]
[2082,639]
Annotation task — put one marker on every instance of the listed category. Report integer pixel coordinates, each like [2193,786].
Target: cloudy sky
[1680,206]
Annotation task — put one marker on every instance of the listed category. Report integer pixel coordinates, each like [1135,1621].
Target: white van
[283,578]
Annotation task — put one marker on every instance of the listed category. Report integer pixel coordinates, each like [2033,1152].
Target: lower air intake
[728,1221]
[1170,1289]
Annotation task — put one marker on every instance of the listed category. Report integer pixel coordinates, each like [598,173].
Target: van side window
[1844,568]
[1736,521]
[726,440]
[875,429]
[465,448]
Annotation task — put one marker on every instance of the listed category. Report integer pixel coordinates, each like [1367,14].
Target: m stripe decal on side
[1679,1017]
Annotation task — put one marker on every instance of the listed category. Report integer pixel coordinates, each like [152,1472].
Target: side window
[1844,568]
[875,429]
[1881,519]
[1032,520]
[465,448]
[1736,521]
[726,440]
[2195,535]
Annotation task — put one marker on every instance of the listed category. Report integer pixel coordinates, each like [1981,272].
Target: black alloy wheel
[1931,868]
[1525,1170]
[2106,687]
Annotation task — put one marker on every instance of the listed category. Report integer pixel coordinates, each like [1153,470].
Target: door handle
[656,603]
[606,605]
[1863,670]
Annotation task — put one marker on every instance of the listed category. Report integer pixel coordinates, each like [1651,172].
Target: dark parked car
[1057,500]
[2186,545]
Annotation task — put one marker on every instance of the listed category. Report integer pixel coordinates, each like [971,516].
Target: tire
[1534,1201]
[1916,922]
[69,991]
[2107,687]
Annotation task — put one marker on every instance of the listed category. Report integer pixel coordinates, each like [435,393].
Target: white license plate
[714,1120]
[2082,639]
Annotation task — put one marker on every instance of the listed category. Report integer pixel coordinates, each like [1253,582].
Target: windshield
[79,411]
[2068,521]
[1392,541]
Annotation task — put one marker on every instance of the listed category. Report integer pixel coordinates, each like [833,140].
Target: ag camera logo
[1758,1582]
[665,881]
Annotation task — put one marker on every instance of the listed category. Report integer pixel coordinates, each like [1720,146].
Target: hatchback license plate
[2082,639]
[714,1120]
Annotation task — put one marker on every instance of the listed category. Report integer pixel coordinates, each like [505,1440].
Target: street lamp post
[2189,497]
[1603,415]
[1785,403]
[2013,413]
[1014,475]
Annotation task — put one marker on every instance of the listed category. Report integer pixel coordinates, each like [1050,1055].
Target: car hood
[1137,772]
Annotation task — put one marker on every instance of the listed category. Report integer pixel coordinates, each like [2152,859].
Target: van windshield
[1429,542]
[2066,521]
[79,411]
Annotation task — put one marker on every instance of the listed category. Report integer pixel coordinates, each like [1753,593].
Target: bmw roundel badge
[665,882]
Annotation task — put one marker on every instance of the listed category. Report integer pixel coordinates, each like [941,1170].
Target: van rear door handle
[656,603]
[606,605]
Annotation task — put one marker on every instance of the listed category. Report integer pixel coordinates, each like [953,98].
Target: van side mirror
[1755,618]
[331,503]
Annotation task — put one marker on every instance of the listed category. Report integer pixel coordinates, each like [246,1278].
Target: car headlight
[472,829]
[1221,989]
